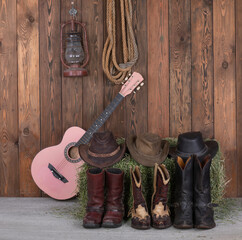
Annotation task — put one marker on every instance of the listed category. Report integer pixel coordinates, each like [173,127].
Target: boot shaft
[137,188]
[184,177]
[202,174]
[114,185]
[95,186]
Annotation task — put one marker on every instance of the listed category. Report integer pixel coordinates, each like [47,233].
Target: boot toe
[183,224]
[205,225]
[92,220]
[140,223]
[112,219]
[161,222]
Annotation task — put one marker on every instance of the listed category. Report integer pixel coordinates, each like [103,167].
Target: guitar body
[55,169]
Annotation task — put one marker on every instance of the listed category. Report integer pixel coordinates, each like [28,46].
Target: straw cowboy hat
[148,149]
[192,143]
[103,150]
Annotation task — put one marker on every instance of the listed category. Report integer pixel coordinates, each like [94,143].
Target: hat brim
[101,162]
[212,149]
[145,160]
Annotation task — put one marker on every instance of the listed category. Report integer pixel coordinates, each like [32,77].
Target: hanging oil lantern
[74,47]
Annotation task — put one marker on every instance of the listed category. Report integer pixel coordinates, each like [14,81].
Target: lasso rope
[114,71]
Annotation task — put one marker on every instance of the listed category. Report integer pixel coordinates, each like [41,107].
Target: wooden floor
[45,218]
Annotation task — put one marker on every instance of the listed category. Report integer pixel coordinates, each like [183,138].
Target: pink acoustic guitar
[55,169]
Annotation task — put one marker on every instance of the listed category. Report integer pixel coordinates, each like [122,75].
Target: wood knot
[31,19]
[225,64]
[209,2]
[182,39]
[26,131]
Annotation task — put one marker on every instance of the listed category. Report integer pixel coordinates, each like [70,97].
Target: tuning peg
[130,74]
[142,84]
[126,79]
[138,88]
[122,83]
[134,92]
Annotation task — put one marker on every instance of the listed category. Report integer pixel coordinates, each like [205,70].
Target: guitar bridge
[56,174]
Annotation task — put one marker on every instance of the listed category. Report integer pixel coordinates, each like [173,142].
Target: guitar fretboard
[100,120]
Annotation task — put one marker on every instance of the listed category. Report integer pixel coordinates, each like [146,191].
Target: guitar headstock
[133,82]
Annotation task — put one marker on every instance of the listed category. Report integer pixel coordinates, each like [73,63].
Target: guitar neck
[100,120]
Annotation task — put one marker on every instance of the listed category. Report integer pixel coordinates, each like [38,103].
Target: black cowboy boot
[203,208]
[184,193]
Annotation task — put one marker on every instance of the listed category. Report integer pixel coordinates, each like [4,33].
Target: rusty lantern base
[75,72]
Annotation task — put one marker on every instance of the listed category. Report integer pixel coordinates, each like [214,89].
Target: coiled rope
[115,72]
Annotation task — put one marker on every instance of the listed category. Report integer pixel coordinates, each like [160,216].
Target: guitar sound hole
[73,153]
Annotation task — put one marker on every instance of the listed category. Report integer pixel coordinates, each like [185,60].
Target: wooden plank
[50,73]
[9,164]
[116,122]
[28,92]
[158,67]
[136,104]
[239,91]
[202,67]
[180,66]
[92,104]
[224,87]
[71,86]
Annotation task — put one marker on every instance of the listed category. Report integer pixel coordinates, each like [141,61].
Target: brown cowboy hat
[103,150]
[192,143]
[148,149]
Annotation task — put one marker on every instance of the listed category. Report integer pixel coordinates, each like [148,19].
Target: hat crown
[190,142]
[103,143]
[148,144]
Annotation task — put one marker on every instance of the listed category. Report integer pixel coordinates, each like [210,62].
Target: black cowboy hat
[190,143]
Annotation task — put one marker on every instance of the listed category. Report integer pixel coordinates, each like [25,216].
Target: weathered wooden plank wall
[190,57]
[224,82]
[238,69]
[9,158]
[28,92]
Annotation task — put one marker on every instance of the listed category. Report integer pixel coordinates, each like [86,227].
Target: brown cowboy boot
[203,208]
[159,209]
[140,216]
[114,200]
[95,191]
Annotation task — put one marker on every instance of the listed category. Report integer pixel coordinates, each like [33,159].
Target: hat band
[200,153]
[92,154]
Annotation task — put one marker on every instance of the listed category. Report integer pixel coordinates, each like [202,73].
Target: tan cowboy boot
[140,216]
[159,209]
